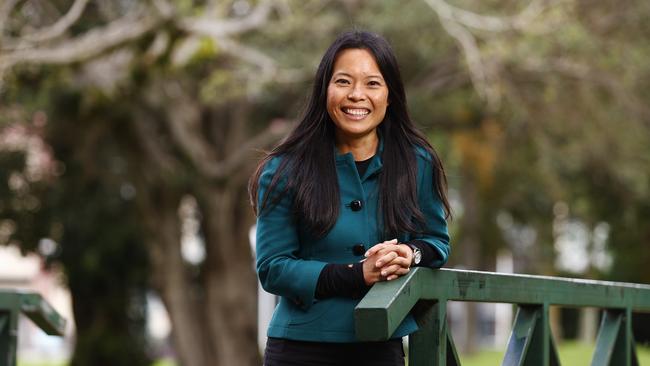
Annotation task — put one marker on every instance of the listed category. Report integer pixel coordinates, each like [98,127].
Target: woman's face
[357,95]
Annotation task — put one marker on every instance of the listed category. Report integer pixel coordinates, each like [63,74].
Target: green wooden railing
[425,292]
[12,304]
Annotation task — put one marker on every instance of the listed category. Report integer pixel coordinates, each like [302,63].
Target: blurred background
[129,129]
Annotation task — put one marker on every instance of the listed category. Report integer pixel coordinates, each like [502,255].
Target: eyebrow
[342,73]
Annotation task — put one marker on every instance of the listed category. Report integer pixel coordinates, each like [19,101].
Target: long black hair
[308,161]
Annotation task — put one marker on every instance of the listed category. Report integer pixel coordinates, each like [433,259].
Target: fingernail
[379,264]
[365,254]
[383,273]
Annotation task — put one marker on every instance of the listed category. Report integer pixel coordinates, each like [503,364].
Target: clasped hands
[386,261]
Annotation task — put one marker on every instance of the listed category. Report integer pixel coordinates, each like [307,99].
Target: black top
[362,166]
[346,280]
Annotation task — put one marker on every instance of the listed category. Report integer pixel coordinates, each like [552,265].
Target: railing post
[432,344]
[615,342]
[531,343]
[8,337]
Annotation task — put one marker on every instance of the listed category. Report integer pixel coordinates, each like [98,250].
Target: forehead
[356,62]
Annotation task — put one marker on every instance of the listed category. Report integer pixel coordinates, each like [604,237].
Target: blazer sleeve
[435,232]
[280,269]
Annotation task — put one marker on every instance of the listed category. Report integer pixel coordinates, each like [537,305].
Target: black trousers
[286,352]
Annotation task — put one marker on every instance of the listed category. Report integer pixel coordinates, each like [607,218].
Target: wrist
[416,255]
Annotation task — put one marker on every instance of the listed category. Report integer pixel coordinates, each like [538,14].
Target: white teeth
[356,112]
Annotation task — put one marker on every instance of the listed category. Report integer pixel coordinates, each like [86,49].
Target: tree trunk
[469,250]
[212,305]
[230,281]
[174,285]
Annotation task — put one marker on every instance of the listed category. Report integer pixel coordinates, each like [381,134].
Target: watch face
[417,255]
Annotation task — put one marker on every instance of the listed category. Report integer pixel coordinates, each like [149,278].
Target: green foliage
[86,209]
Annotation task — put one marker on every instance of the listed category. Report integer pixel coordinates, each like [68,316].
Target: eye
[374,83]
[341,81]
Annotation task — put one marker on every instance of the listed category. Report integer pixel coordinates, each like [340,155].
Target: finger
[400,271]
[400,261]
[387,258]
[390,270]
[405,250]
[387,249]
[375,248]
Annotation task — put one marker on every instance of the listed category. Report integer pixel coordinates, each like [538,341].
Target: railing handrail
[12,304]
[388,303]
[35,308]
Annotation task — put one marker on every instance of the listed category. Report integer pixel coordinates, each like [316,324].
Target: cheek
[381,101]
[332,102]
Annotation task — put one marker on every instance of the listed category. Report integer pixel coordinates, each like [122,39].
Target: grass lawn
[157,363]
[571,354]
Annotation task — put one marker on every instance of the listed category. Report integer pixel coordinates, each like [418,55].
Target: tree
[186,90]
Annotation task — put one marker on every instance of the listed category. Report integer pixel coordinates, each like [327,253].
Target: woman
[355,195]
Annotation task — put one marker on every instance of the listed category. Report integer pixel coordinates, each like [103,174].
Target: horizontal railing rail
[12,304]
[387,304]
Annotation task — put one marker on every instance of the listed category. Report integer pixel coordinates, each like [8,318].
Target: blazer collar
[375,165]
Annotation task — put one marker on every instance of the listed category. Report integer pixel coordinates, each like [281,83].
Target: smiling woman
[355,195]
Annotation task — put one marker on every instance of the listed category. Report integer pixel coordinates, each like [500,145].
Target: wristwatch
[417,255]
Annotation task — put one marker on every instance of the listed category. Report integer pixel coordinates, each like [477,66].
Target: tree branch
[58,28]
[184,125]
[486,22]
[184,122]
[576,70]
[84,47]
[225,27]
[481,78]
[266,64]
[5,9]
[150,144]
[277,129]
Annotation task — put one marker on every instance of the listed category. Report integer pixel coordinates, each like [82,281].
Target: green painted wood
[522,338]
[384,307]
[630,346]
[8,338]
[526,289]
[452,354]
[531,342]
[615,343]
[608,347]
[12,303]
[428,346]
[554,357]
[4,320]
[387,303]
[35,308]
[42,314]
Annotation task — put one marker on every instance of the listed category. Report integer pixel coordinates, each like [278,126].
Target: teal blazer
[289,260]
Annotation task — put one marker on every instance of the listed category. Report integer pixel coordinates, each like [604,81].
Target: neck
[362,148]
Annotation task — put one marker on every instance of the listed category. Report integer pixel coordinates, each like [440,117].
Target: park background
[128,130]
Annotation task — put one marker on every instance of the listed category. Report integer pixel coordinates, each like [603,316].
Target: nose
[357,93]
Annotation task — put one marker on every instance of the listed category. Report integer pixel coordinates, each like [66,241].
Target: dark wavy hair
[308,166]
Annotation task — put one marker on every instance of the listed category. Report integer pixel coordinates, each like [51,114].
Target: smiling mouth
[356,113]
